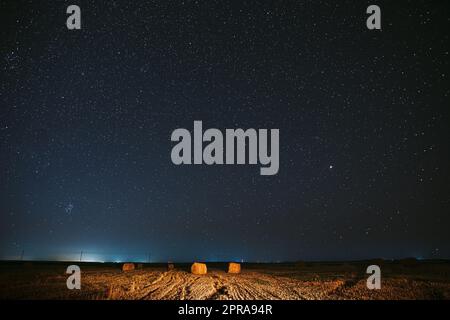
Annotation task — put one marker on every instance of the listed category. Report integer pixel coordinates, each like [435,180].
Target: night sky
[86,118]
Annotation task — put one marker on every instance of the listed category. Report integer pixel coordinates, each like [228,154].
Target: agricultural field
[407,279]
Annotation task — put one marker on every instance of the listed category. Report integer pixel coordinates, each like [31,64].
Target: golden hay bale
[198,268]
[170,266]
[234,267]
[128,267]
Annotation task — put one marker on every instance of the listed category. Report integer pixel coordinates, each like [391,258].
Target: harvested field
[424,280]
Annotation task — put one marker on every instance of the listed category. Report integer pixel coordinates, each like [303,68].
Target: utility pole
[148,258]
[81,255]
[21,255]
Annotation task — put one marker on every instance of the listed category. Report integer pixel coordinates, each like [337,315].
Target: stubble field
[293,281]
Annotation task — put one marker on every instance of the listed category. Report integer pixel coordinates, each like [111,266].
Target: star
[69,208]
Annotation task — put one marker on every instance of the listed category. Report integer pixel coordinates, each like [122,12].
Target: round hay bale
[198,268]
[128,267]
[170,266]
[234,267]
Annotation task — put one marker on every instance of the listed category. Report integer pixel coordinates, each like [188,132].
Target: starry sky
[86,118]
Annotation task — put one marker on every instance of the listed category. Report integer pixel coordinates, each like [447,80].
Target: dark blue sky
[86,118]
